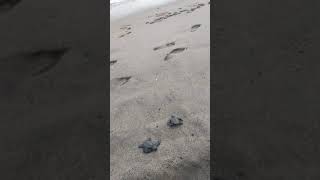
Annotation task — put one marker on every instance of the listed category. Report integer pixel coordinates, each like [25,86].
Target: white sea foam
[122,8]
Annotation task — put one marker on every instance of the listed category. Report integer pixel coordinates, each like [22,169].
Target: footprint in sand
[185,10]
[113,62]
[165,15]
[126,29]
[123,35]
[196,6]
[164,46]
[120,81]
[6,5]
[195,27]
[162,16]
[174,51]
[36,62]
[53,56]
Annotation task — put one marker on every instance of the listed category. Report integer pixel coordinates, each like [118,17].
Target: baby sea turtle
[149,145]
[174,121]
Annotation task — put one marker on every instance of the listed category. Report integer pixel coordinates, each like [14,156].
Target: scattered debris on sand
[175,121]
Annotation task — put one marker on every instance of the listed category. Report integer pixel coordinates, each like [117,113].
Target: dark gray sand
[52,83]
[266,83]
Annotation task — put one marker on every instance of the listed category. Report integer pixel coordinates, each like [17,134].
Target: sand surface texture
[266,90]
[53,83]
[160,66]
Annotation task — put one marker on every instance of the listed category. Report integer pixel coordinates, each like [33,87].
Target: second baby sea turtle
[150,145]
[174,121]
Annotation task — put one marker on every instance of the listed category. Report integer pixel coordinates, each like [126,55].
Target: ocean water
[122,8]
[114,3]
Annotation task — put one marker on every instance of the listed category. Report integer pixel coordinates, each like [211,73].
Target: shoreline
[138,8]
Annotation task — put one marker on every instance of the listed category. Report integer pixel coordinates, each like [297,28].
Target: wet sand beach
[160,66]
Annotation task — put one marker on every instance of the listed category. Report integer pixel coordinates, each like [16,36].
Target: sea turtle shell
[149,145]
[174,121]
